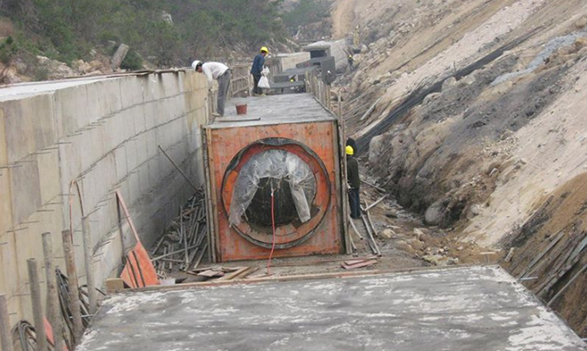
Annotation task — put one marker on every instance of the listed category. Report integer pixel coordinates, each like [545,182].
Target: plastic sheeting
[280,165]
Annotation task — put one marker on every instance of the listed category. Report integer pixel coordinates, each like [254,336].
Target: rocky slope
[479,124]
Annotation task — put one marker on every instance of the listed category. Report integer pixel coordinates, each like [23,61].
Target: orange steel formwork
[230,146]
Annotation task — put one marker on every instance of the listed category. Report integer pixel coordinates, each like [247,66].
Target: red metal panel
[224,144]
[138,271]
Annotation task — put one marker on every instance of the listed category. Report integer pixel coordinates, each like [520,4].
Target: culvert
[289,146]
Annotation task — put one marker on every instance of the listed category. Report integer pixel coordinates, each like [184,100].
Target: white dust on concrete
[542,333]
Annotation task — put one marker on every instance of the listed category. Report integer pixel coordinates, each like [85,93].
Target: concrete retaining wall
[103,132]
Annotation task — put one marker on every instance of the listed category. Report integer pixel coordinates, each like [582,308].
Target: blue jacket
[258,64]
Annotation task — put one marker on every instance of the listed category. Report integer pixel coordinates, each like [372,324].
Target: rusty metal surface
[138,270]
[225,143]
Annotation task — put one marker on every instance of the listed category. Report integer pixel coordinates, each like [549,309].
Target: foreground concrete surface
[478,308]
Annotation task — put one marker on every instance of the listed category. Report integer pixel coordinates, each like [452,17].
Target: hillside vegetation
[163,33]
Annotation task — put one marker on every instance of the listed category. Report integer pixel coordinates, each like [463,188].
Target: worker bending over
[257,68]
[352,166]
[220,72]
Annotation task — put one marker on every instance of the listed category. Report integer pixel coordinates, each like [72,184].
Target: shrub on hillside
[8,50]
[132,61]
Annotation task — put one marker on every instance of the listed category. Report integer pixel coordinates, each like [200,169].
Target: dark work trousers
[355,203]
[223,85]
[256,89]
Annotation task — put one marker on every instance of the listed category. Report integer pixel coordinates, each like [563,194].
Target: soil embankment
[479,126]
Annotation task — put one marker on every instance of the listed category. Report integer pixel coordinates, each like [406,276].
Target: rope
[273,227]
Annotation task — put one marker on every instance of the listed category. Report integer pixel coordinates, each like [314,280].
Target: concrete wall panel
[25,190]
[131,91]
[18,129]
[49,184]
[103,132]
[71,109]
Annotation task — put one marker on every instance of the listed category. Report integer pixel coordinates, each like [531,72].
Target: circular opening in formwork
[260,210]
[285,209]
[277,174]
[299,183]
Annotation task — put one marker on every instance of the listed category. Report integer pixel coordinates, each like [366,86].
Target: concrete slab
[277,109]
[462,309]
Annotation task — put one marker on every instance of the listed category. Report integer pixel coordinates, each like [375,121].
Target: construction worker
[220,72]
[352,143]
[257,68]
[351,61]
[352,166]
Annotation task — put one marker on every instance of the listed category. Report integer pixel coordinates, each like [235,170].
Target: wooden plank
[72,286]
[114,285]
[37,304]
[562,271]
[237,119]
[5,334]
[212,220]
[564,288]
[316,276]
[373,185]
[355,228]
[246,273]
[52,307]
[236,273]
[211,274]
[352,262]
[539,257]
[376,203]
[359,265]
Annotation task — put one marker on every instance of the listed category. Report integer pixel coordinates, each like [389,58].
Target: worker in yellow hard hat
[352,166]
[258,64]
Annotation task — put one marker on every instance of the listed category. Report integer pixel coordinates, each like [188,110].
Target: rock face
[55,69]
[434,214]
[81,67]
[581,23]
[386,234]
[167,18]
[119,56]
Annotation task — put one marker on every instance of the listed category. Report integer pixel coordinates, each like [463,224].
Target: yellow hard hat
[264,49]
[349,150]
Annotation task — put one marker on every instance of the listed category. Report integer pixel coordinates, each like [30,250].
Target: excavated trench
[445,149]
